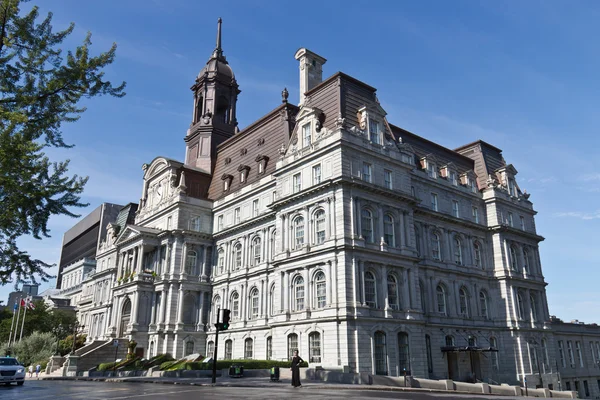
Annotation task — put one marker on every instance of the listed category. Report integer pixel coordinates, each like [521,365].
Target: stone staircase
[101,353]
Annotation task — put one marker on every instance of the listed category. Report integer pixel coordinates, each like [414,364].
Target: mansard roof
[263,137]
[488,159]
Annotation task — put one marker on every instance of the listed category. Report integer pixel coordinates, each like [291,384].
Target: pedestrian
[296,360]
[31,371]
[38,368]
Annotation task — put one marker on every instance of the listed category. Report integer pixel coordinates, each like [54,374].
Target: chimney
[311,70]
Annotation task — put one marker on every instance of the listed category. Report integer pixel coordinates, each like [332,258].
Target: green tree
[40,89]
[41,319]
[37,347]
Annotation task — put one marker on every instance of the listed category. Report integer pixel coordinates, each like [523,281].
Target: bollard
[275,374]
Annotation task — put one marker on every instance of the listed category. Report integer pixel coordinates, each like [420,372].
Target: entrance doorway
[125,318]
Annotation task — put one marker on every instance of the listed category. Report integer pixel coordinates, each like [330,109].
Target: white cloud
[590,177]
[579,215]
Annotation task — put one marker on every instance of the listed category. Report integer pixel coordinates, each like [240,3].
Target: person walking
[38,368]
[31,371]
[296,361]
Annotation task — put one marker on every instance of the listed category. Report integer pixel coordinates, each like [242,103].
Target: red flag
[23,304]
[31,305]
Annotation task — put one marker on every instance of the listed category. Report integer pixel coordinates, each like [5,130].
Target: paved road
[81,390]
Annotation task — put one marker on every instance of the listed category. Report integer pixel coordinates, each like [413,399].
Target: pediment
[127,234]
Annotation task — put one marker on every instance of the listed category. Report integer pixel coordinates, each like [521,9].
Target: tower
[213,119]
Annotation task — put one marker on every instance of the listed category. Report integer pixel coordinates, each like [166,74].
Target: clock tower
[213,119]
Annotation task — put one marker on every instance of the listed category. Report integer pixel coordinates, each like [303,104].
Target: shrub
[33,349]
[157,360]
[247,364]
[106,366]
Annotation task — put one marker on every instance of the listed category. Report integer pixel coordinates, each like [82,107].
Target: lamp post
[76,329]
[58,331]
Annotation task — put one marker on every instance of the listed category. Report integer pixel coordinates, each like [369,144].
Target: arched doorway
[125,317]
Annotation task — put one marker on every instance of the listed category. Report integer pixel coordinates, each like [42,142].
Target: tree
[40,319]
[40,89]
[37,347]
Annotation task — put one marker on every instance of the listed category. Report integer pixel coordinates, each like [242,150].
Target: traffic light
[226,318]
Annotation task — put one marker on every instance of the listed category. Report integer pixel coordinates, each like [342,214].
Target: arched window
[210,349]
[392,292]
[380,353]
[228,349]
[494,354]
[238,256]
[320,227]
[299,232]
[189,348]
[248,348]
[216,304]
[199,106]
[472,341]
[314,347]
[221,261]
[151,350]
[526,261]
[299,293]
[253,303]
[269,348]
[292,344]
[436,250]
[514,264]
[403,352]
[367,225]
[533,303]
[483,304]
[477,254]
[235,305]
[463,297]
[190,262]
[520,306]
[370,290]
[256,250]
[441,300]
[320,290]
[272,301]
[388,230]
[458,255]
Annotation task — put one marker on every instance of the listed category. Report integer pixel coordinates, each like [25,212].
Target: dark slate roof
[487,159]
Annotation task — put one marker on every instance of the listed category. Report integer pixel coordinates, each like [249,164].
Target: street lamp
[76,329]
[58,332]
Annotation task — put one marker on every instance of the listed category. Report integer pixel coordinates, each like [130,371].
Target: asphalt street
[81,390]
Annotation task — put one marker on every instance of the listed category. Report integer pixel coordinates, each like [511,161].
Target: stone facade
[325,228]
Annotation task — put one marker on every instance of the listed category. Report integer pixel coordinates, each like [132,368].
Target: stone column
[180,305]
[361,274]
[329,234]
[261,303]
[162,309]
[403,235]
[205,261]
[380,226]
[199,318]
[281,291]
[330,282]
[406,289]
[244,301]
[384,288]
[286,292]
[448,247]
[307,296]
[140,261]
[154,306]
[135,307]
[358,218]
[352,218]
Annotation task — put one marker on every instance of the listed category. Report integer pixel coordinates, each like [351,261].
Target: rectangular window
[274,196]
[561,354]
[570,352]
[169,222]
[366,172]
[431,170]
[236,216]
[453,178]
[374,131]
[316,174]
[510,220]
[255,208]
[434,202]
[314,344]
[579,355]
[307,135]
[475,215]
[387,179]
[522,222]
[243,176]
[260,167]
[473,185]
[413,192]
[511,187]
[292,345]
[455,211]
[586,388]
[220,223]
[297,182]
[269,348]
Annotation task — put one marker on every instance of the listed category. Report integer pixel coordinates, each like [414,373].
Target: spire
[218,53]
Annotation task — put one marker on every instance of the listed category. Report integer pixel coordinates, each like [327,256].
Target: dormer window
[374,131]
[512,187]
[243,170]
[453,178]
[307,134]
[226,182]
[431,170]
[473,184]
[262,163]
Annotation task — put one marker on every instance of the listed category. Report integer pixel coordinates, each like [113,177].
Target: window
[307,135]
[561,353]
[570,353]
[520,306]
[248,345]
[511,187]
[195,224]
[525,261]
[429,355]
[189,348]
[453,178]
[568,385]
[292,344]
[243,176]
[477,254]
[221,260]
[374,131]
[274,199]
[455,210]
[269,348]
[235,305]
[418,242]
[533,304]
[449,340]
[413,192]
[320,227]
[545,354]
[522,222]
[370,289]
[320,292]
[228,349]
[431,170]
[403,351]
[210,349]
[494,354]
[316,174]
[593,353]
[436,252]
[256,250]
[219,223]
[387,179]
[226,185]
[297,181]
[255,207]
[190,262]
[458,257]
[380,354]
[388,230]
[299,232]
[579,355]
[473,185]
[254,303]
[514,264]
[299,293]
[314,347]
[463,298]
[472,341]
[366,172]
[510,220]
[392,289]
[272,301]
[170,222]
[533,357]
[441,300]
[586,388]
[367,225]
[434,202]
[236,216]
[261,167]
[475,212]
[483,305]
[238,256]
[407,158]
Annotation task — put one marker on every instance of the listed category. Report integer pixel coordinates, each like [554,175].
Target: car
[11,371]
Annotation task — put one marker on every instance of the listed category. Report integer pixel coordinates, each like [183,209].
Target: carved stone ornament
[227,160]
[491,182]
[340,122]
[261,141]
[144,167]
[206,117]
[243,152]
[284,95]
[282,150]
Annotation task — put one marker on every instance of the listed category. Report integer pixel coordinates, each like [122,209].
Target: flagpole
[12,324]
[17,325]
[24,313]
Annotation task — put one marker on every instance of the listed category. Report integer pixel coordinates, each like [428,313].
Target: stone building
[325,228]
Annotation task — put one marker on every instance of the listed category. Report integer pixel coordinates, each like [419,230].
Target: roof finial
[218,49]
[284,95]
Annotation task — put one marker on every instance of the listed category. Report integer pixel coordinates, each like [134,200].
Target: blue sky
[520,75]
